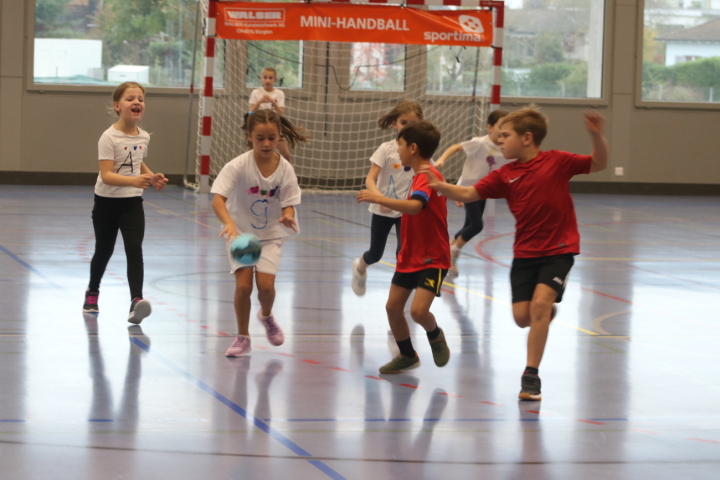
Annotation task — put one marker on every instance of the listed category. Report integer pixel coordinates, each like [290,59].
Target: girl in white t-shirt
[257,193]
[483,154]
[270,98]
[389,178]
[118,198]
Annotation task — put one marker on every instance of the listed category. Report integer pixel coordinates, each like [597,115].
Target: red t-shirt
[538,194]
[425,242]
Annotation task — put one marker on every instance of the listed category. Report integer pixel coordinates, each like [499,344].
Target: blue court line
[9,421]
[28,266]
[294,447]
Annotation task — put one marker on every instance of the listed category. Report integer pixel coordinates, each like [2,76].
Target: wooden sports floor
[630,382]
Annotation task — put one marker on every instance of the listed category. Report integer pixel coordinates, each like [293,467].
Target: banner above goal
[353,23]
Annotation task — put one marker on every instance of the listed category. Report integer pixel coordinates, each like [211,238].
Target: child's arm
[447,154]
[371,180]
[158,179]
[594,122]
[220,208]
[453,192]
[411,206]
[116,180]
[288,218]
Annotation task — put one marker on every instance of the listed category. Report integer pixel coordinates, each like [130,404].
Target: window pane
[92,42]
[285,57]
[552,48]
[459,70]
[681,51]
[377,66]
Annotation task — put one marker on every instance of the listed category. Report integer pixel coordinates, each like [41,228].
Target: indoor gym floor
[630,382]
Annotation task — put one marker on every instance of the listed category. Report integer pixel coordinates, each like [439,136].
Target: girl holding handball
[257,193]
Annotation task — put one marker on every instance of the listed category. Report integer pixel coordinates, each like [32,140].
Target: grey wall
[58,131]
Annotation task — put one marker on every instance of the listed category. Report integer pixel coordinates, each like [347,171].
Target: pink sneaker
[272,329]
[240,347]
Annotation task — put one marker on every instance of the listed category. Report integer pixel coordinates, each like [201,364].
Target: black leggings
[126,215]
[473,220]
[379,230]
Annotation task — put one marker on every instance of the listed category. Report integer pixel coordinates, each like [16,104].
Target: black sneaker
[139,309]
[91,302]
[530,387]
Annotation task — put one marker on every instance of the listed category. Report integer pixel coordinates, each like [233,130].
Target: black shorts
[429,279]
[527,273]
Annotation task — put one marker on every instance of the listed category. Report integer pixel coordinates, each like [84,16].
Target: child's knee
[418,313]
[243,289]
[394,308]
[541,309]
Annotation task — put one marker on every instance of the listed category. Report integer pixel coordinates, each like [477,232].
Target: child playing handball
[257,193]
[387,177]
[537,189]
[425,251]
[118,206]
[270,98]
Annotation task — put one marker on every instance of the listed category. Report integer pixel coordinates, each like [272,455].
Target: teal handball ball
[246,249]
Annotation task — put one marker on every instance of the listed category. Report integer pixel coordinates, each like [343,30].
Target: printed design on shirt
[397,166]
[391,190]
[256,190]
[490,161]
[129,158]
[259,210]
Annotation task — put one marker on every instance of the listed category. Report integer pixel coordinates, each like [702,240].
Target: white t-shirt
[259,93]
[127,153]
[393,180]
[255,202]
[483,156]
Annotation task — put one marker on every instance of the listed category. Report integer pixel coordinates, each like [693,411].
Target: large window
[97,42]
[681,51]
[552,48]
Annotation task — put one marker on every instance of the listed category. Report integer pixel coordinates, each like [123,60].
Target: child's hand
[459,204]
[367,196]
[594,122]
[289,222]
[159,181]
[143,181]
[229,231]
[433,180]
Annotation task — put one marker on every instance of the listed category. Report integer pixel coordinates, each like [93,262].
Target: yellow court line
[597,321]
[576,328]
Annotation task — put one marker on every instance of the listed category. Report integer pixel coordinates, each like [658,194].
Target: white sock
[362,266]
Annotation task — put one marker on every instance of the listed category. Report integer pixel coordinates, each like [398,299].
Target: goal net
[337,91]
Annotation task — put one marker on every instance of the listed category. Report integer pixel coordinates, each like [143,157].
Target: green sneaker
[440,350]
[400,364]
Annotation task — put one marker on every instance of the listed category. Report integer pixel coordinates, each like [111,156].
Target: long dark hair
[290,132]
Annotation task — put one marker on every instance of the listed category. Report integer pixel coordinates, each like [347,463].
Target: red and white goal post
[442,68]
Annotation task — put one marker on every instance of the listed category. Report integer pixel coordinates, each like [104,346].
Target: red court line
[312,361]
[591,421]
[702,440]
[408,385]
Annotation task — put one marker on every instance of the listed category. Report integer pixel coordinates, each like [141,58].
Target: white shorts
[269,258]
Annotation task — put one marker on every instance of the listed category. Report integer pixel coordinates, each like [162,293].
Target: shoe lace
[240,341]
[271,326]
[91,298]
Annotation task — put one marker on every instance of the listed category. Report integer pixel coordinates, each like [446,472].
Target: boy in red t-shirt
[424,256]
[537,190]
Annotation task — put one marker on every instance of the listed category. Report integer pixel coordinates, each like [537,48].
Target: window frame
[655,104]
